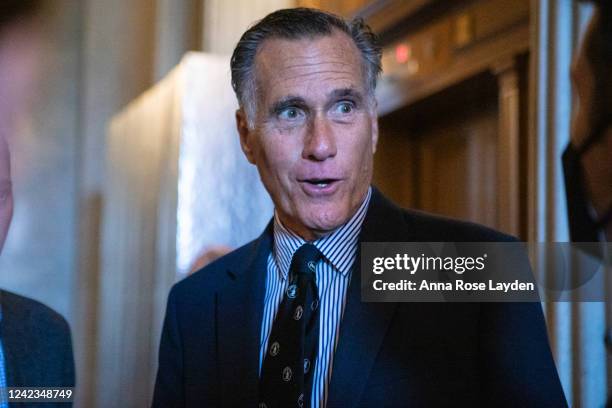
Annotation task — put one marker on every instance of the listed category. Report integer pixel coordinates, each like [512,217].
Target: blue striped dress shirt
[333,275]
[3,384]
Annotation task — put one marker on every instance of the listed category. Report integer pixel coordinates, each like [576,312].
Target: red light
[402,53]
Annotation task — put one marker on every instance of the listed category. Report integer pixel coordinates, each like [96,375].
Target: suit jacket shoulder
[222,301]
[33,312]
[494,354]
[386,221]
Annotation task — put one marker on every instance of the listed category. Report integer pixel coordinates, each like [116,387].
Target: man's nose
[320,142]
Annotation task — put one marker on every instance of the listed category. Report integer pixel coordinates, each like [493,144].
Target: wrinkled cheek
[279,167]
[277,183]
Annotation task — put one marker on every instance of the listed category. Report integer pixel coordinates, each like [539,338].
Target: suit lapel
[239,312]
[364,325]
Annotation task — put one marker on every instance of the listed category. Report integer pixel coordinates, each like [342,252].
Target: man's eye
[290,114]
[345,107]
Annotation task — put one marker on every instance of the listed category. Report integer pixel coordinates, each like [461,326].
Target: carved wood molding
[383,15]
[457,45]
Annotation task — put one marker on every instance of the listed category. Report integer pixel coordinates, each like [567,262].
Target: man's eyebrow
[287,102]
[345,93]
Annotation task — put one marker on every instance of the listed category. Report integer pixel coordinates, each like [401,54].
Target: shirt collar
[338,247]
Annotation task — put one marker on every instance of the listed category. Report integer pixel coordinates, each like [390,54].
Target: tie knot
[305,259]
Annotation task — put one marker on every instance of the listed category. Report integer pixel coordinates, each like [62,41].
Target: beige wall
[225,21]
[117,64]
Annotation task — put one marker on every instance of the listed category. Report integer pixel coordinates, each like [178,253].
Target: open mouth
[320,187]
[322,183]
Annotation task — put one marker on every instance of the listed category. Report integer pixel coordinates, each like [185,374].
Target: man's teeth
[320,183]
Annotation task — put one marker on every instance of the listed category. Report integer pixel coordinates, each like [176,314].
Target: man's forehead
[335,39]
[287,62]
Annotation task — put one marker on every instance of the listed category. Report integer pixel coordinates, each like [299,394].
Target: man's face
[314,132]
[6,192]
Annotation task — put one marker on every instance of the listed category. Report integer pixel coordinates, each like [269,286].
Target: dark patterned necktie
[288,366]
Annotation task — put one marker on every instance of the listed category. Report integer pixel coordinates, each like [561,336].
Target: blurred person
[280,321]
[208,255]
[587,161]
[35,342]
[21,44]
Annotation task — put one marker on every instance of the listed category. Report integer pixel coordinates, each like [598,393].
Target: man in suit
[35,344]
[305,81]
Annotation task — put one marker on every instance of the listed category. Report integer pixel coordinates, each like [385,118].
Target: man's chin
[323,226]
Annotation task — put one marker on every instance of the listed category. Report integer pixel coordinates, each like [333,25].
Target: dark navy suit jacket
[388,354]
[37,347]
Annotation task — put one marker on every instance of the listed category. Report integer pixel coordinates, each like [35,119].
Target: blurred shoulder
[30,312]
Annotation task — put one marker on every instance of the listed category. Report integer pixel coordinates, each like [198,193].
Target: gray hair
[294,24]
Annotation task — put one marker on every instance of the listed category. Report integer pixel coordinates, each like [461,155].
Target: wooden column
[178,29]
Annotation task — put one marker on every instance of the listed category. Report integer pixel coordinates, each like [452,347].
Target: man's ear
[246,135]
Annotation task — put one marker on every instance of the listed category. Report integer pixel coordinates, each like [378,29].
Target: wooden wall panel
[457,171]
[395,164]
[442,155]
